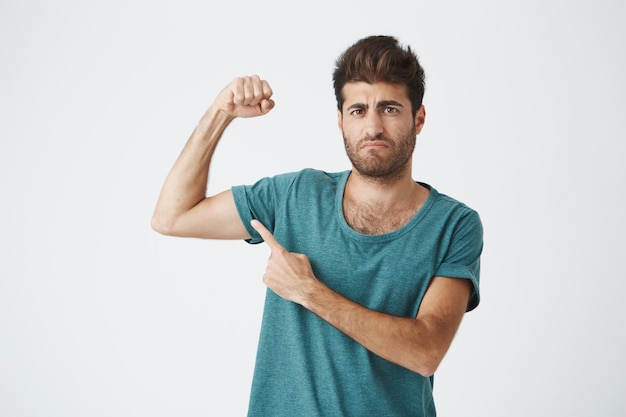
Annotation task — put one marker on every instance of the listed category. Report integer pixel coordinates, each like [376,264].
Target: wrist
[314,295]
[213,123]
[216,115]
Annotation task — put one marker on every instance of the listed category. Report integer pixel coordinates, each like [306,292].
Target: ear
[420,119]
[339,120]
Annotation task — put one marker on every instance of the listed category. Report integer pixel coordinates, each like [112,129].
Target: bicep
[215,217]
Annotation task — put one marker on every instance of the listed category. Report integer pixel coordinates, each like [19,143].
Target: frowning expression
[378,128]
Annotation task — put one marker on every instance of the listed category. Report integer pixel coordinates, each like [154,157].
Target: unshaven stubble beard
[378,168]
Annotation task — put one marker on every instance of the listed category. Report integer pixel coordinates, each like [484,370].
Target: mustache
[379,138]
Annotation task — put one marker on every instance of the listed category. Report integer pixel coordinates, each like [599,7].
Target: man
[370,272]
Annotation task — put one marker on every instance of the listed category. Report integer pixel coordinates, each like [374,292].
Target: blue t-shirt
[305,367]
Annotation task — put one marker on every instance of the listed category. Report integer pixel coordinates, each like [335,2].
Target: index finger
[267,236]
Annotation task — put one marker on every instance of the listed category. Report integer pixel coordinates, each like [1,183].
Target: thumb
[267,105]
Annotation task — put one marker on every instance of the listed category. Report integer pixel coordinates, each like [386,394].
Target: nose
[373,124]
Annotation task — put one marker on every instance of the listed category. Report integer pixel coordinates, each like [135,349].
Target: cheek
[350,127]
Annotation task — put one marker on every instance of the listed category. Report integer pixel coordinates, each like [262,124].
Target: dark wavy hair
[380,59]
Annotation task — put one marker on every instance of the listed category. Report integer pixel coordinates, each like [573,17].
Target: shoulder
[307,180]
[445,202]
[317,174]
[308,177]
[450,212]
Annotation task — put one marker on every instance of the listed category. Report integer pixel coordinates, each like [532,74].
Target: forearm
[186,184]
[405,341]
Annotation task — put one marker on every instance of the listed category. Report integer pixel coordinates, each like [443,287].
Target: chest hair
[376,220]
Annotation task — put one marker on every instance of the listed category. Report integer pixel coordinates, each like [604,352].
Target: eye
[390,110]
[356,112]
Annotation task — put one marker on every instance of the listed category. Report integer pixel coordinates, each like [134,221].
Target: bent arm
[418,344]
[183,208]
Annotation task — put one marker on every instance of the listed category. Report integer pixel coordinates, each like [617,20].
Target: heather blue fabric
[304,366]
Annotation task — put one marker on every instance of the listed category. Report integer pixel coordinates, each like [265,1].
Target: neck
[381,191]
[373,208]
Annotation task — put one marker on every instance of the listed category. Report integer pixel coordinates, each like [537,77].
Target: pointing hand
[288,274]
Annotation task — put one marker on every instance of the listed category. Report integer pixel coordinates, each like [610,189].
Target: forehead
[369,94]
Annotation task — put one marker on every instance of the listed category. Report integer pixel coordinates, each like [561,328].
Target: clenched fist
[248,96]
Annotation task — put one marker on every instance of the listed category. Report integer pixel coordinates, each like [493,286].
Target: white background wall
[101,316]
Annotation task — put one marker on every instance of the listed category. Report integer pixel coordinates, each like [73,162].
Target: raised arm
[183,209]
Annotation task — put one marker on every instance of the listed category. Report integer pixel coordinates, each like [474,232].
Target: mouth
[374,144]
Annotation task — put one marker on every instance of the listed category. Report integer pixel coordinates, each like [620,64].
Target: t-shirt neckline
[384,237]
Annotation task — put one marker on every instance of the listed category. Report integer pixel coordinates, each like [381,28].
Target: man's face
[378,128]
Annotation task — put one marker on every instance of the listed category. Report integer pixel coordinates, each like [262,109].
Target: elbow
[427,370]
[424,370]
[426,366]
[162,226]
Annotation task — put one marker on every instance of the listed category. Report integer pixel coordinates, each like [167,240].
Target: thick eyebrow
[387,103]
[357,106]
[379,105]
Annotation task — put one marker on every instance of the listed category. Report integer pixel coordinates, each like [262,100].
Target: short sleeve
[462,259]
[260,201]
